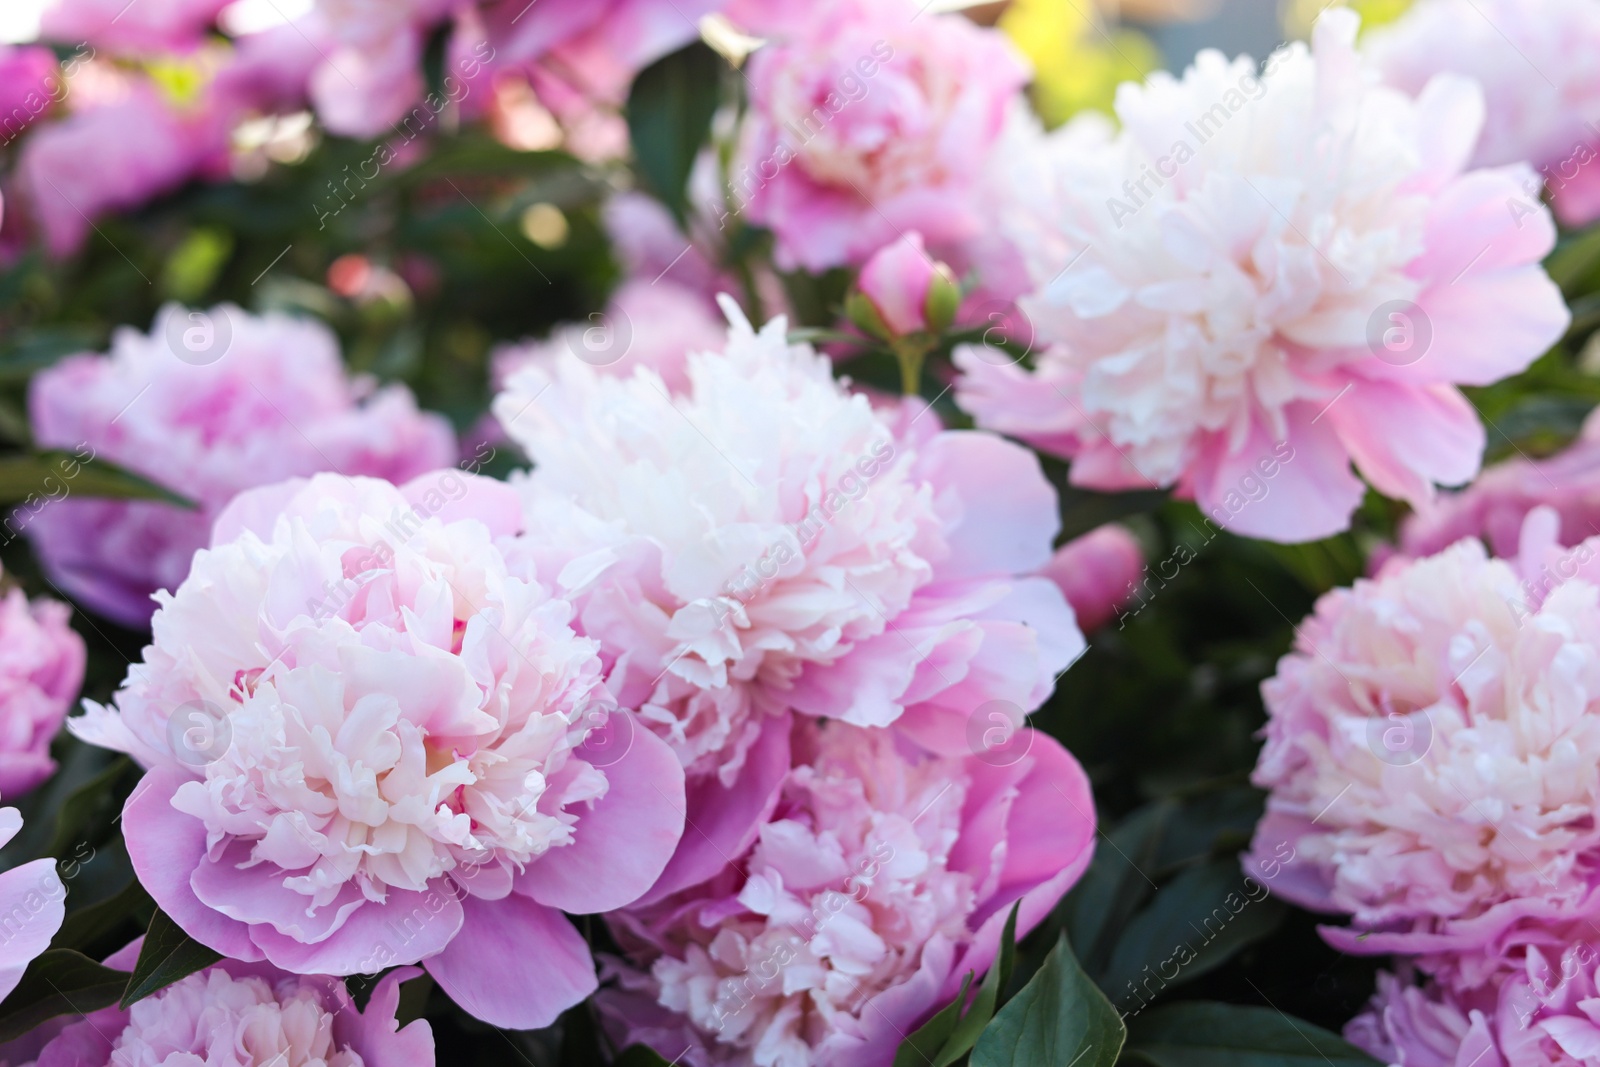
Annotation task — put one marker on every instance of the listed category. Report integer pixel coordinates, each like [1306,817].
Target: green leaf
[59,982]
[168,955]
[1116,883]
[931,1037]
[84,926]
[1196,923]
[670,108]
[77,813]
[1058,1018]
[29,351]
[987,1001]
[639,1056]
[41,478]
[1202,1034]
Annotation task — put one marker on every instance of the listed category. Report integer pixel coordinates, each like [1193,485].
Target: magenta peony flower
[1293,267]
[208,404]
[41,671]
[1534,59]
[1430,752]
[646,325]
[242,1015]
[882,878]
[870,120]
[767,543]
[118,26]
[368,744]
[32,906]
[1494,506]
[1097,572]
[29,86]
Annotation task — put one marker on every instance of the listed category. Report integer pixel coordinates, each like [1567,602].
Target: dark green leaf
[73,824]
[1116,884]
[1083,510]
[639,1056]
[670,108]
[36,480]
[932,1036]
[1058,1018]
[987,1001]
[1197,922]
[84,926]
[59,982]
[168,955]
[1201,1034]
[29,351]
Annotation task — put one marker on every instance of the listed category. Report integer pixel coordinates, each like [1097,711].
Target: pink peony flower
[245,1015]
[1538,1012]
[907,291]
[1097,572]
[583,48]
[32,906]
[118,26]
[367,743]
[1494,506]
[207,404]
[1534,59]
[1297,260]
[765,543]
[1431,752]
[41,671]
[29,85]
[371,75]
[880,880]
[871,120]
[112,157]
[645,325]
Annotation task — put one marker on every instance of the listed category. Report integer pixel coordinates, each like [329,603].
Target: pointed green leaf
[168,955]
[1060,1017]
[59,982]
[670,108]
[1203,1034]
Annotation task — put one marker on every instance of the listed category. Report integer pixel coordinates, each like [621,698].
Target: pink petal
[166,846]
[33,902]
[515,964]
[623,843]
[406,928]
[1004,515]
[1405,439]
[373,1035]
[1311,495]
[722,821]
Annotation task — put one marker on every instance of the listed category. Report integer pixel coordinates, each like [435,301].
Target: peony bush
[750,533]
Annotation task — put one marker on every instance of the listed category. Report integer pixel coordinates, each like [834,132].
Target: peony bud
[902,291]
[1095,572]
